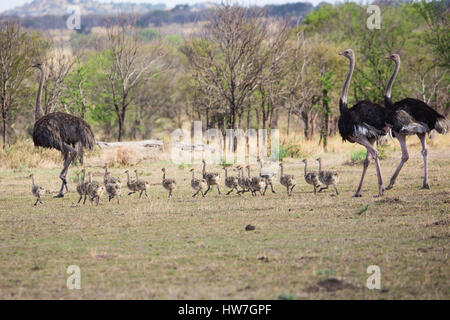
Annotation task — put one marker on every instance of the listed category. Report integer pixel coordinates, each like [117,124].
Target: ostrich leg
[69,154]
[271,187]
[365,166]
[374,153]
[368,143]
[423,140]
[405,156]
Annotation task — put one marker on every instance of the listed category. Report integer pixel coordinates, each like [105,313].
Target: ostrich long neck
[193,175]
[387,93]
[344,93]
[32,180]
[83,176]
[137,177]
[204,169]
[90,177]
[164,175]
[306,164]
[128,177]
[320,165]
[226,173]
[39,113]
[281,174]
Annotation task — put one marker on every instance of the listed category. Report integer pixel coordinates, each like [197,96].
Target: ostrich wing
[55,129]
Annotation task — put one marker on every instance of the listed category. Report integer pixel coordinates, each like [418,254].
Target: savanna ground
[303,247]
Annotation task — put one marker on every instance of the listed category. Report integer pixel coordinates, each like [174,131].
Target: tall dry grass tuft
[23,154]
[116,156]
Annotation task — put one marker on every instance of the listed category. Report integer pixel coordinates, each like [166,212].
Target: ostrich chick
[231,182]
[107,178]
[328,177]
[132,186]
[95,190]
[213,178]
[36,190]
[311,177]
[114,190]
[198,184]
[256,183]
[287,180]
[168,184]
[141,185]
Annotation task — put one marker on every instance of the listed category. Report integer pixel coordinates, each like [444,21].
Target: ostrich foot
[59,195]
[380,192]
[425,187]
[357,195]
[389,187]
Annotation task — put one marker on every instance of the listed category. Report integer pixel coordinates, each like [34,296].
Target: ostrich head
[164,170]
[394,57]
[348,53]
[31,176]
[319,159]
[126,171]
[37,65]
[304,160]
[192,169]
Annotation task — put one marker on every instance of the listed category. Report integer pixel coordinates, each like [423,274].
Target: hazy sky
[5,5]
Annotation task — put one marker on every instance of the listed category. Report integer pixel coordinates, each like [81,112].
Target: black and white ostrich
[62,131]
[363,124]
[411,117]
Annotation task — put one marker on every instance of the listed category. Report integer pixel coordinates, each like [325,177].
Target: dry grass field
[303,247]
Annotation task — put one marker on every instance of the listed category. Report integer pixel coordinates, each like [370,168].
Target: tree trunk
[326,108]
[258,125]
[5,132]
[313,123]
[120,129]
[289,121]
[306,117]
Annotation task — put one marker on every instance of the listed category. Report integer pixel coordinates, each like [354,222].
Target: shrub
[182,166]
[291,150]
[357,156]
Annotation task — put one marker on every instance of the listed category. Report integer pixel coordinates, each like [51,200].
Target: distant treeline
[180,14]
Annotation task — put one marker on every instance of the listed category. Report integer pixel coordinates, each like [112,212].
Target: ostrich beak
[341,53]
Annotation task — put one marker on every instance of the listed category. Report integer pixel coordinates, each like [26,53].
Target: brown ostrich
[62,131]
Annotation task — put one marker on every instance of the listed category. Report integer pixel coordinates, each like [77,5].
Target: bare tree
[58,65]
[17,51]
[126,64]
[229,57]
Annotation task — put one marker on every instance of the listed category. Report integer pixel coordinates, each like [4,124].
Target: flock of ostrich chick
[363,123]
[94,190]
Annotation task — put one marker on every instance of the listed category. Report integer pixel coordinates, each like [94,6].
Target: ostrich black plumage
[409,117]
[62,131]
[363,124]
